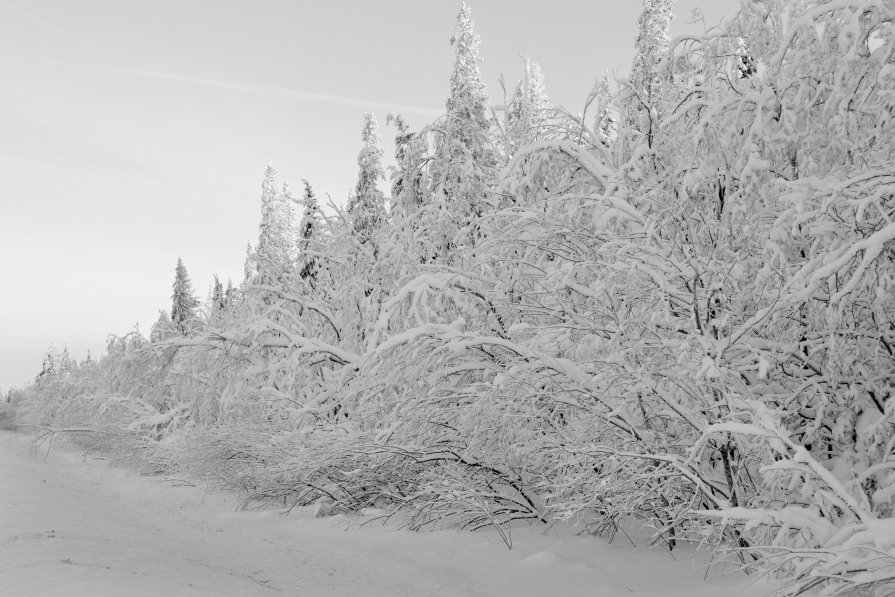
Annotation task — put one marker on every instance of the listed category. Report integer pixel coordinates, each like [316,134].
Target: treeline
[678,307]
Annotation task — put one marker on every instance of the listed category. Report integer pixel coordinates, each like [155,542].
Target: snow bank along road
[72,527]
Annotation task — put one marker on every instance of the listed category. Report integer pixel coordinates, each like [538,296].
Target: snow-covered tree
[308,230]
[49,368]
[250,265]
[162,329]
[218,303]
[275,252]
[57,365]
[366,207]
[230,294]
[605,126]
[183,302]
[409,182]
[67,365]
[465,159]
[528,109]
[645,81]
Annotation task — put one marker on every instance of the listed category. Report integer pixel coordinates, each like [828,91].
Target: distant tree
[307,264]
[183,301]
[605,121]
[218,302]
[67,365]
[366,208]
[49,368]
[56,364]
[250,266]
[651,48]
[230,294]
[527,111]
[408,178]
[275,252]
[403,137]
[162,328]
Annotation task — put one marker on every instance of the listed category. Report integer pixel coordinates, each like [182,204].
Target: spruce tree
[408,180]
[403,137]
[366,208]
[183,302]
[250,266]
[307,261]
[528,108]
[161,329]
[230,295]
[465,159]
[218,300]
[217,295]
[66,364]
[605,122]
[49,368]
[276,240]
[651,47]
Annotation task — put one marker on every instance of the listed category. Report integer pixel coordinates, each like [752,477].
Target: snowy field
[70,526]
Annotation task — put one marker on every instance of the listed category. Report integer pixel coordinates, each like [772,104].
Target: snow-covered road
[70,527]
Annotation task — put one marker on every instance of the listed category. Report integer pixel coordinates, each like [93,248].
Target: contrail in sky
[47,24]
[259,89]
[241,87]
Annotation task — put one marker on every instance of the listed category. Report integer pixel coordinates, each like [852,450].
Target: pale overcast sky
[133,132]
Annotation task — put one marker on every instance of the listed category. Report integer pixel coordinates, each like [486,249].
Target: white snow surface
[72,526]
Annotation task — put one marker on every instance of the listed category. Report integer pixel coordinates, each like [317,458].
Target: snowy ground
[72,527]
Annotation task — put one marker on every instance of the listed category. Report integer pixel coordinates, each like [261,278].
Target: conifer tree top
[275,250]
[367,206]
[466,80]
[651,43]
[370,157]
[183,301]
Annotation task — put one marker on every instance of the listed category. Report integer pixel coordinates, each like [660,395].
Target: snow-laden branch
[797,455]
[601,173]
[409,293]
[459,341]
[306,302]
[301,344]
[801,286]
